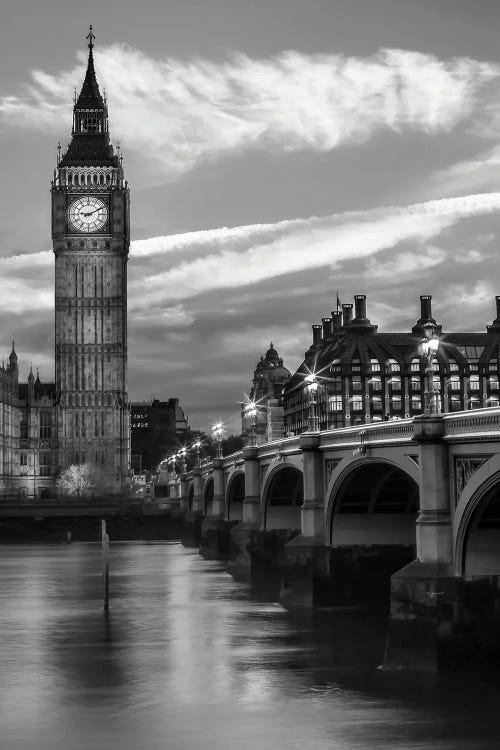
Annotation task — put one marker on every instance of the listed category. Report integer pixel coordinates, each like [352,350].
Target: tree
[81,480]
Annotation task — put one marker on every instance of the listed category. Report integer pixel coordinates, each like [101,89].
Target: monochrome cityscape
[313,525]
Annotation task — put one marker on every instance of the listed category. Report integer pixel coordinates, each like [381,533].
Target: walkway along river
[188,659]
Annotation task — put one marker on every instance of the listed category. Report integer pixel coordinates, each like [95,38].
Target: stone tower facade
[90,232]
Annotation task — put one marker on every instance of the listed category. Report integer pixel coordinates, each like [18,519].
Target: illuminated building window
[415,384]
[454,383]
[415,365]
[474,402]
[474,383]
[493,382]
[377,403]
[356,384]
[357,403]
[396,384]
[336,403]
[376,384]
[396,403]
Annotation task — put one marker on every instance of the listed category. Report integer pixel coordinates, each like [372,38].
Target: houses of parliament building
[83,417]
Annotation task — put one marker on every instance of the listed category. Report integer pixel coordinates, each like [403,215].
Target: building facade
[365,376]
[28,442]
[157,428]
[269,380]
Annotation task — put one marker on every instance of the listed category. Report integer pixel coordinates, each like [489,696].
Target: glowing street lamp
[172,461]
[427,349]
[311,385]
[182,456]
[197,447]
[217,430]
[251,413]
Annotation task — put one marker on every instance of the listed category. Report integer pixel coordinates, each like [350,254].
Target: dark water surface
[187,659]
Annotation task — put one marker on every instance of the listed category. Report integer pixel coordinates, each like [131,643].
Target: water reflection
[188,659]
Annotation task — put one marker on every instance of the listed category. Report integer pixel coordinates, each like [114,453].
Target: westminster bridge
[407,510]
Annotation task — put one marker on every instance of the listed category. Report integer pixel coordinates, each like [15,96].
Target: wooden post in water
[105,563]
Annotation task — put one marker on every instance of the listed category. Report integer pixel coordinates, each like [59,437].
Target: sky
[277,152]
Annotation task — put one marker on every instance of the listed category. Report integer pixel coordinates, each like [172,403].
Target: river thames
[189,659]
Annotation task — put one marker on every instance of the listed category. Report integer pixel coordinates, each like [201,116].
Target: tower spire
[91,36]
[90,137]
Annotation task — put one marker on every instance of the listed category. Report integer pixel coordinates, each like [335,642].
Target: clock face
[87,214]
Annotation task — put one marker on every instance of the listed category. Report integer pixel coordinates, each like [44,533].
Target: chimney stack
[360,306]
[336,319]
[317,332]
[346,314]
[425,317]
[327,327]
[425,307]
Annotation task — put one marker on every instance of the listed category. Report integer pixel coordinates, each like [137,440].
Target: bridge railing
[472,424]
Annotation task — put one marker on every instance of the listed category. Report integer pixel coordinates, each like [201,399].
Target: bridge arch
[477,523]
[372,501]
[282,497]
[208,495]
[370,528]
[235,494]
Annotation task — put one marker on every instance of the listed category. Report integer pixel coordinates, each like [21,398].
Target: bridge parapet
[472,425]
[400,431]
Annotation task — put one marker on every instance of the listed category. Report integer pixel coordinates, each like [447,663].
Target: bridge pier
[244,533]
[191,532]
[215,537]
[424,594]
[257,555]
[306,571]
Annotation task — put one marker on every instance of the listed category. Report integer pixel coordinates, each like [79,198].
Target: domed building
[269,380]
[365,376]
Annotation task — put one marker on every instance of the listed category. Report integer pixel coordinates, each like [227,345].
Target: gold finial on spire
[90,36]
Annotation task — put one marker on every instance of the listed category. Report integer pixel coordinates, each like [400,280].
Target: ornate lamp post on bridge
[311,385]
[217,430]
[427,349]
[251,413]
[197,447]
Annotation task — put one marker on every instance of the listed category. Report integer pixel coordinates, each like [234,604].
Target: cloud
[405,264]
[478,173]
[323,242]
[184,111]
[217,259]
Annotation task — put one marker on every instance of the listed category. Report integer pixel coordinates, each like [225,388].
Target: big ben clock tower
[90,232]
